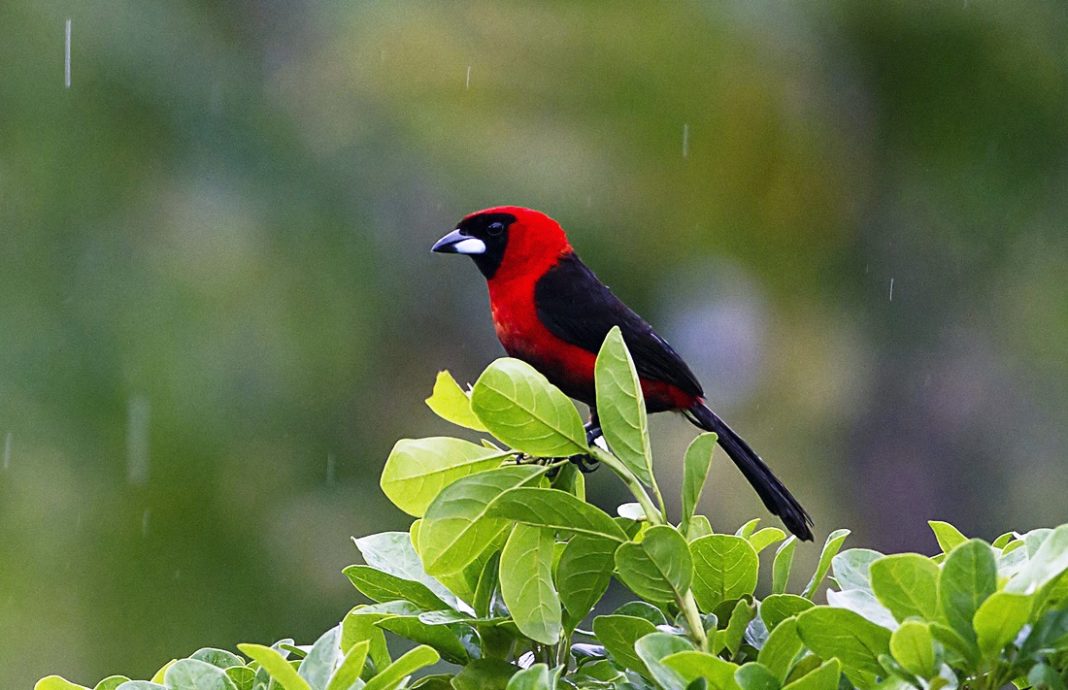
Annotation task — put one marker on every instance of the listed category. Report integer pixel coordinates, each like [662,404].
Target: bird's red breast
[536,243]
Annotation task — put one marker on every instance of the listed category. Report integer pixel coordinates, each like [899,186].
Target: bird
[551,311]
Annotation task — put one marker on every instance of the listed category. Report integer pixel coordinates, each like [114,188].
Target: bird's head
[507,241]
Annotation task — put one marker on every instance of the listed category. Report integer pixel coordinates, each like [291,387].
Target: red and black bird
[552,312]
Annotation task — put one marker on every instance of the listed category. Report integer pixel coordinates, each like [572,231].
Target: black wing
[578,308]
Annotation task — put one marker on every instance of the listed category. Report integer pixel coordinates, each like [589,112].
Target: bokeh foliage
[216,240]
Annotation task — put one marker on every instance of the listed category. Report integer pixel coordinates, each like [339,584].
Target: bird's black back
[579,309]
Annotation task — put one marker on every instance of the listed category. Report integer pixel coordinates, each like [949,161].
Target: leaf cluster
[496,583]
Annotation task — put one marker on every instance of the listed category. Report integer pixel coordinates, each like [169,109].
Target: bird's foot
[585,463]
[593,431]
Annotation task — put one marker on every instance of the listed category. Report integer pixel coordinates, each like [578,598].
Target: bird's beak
[458,243]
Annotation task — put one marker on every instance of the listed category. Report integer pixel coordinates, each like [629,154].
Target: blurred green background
[218,308]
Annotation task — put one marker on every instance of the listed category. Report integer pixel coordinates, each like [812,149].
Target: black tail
[775,495]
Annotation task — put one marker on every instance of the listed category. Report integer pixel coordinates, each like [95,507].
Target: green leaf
[693,665]
[907,584]
[351,666]
[754,676]
[952,640]
[583,575]
[746,530]
[556,510]
[244,677]
[111,683]
[621,407]
[778,607]
[456,526]
[999,619]
[653,648]
[57,683]
[600,673]
[292,648]
[863,602]
[359,626]
[443,638]
[381,587]
[1047,564]
[1048,634]
[487,586]
[781,649]
[948,536]
[830,549]
[452,403]
[418,469]
[192,674]
[484,674]
[699,527]
[851,567]
[823,678]
[406,665]
[537,677]
[642,609]
[129,685]
[730,638]
[572,480]
[216,657]
[521,408]
[434,681]
[465,581]
[393,553]
[913,647]
[658,568]
[527,583]
[764,538]
[618,634]
[158,676]
[780,567]
[324,656]
[725,568]
[695,471]
[274,663]
[854,640]
[1044,677]
[968,577]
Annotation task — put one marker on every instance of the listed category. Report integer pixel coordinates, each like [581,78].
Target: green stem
[651,513]
[686,602]
[563,658]
[660,501]
[693,619]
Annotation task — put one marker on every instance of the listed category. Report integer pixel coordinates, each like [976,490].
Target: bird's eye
[495,229]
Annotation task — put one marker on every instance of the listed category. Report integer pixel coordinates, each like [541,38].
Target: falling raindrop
[137,419]
[467,81]
[144,521]
[331,469]
[891,289]
[7,450]
[66,56]
[686,141]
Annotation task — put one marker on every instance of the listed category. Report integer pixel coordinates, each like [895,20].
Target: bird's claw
[585,463]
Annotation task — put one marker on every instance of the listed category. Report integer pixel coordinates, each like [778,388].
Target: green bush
[506,561]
